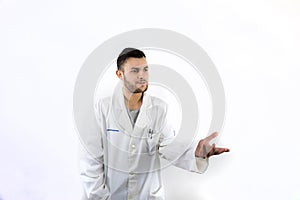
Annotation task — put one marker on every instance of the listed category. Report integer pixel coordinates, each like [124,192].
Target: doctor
[135,134]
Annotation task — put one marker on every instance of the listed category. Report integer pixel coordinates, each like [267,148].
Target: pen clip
[150,133]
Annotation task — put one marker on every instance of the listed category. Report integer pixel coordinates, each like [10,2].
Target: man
[135,133]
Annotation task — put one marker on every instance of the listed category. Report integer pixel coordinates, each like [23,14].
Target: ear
[119,74]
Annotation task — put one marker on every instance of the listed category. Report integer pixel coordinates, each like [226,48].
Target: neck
[133,101]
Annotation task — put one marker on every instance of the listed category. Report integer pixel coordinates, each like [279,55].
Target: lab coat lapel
[120,112]
[121,115]
[143,117]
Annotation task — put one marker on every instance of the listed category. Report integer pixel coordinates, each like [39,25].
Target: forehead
[135,62]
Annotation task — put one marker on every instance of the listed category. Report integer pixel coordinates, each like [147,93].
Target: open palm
[205,150]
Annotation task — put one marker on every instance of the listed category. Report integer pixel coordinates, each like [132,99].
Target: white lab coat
[128,165]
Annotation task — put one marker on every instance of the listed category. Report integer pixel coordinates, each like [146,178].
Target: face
[134,74]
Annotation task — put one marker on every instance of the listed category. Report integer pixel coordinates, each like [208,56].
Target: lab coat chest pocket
[152,140]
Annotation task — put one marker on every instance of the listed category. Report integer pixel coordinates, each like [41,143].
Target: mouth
[141,82]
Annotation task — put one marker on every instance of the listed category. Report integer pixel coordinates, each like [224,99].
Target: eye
[146,69]
[135,70]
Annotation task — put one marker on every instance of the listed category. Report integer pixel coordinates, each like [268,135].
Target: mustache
[142,81]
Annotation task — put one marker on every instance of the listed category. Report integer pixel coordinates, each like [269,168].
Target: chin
[139,90]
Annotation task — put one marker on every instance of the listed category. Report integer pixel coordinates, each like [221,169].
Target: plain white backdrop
[254,44]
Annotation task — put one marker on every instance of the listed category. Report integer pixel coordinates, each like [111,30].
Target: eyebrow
[139,68]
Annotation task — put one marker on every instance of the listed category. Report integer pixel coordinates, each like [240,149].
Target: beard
[132,88]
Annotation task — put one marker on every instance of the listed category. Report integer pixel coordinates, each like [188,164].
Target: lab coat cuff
[201,164]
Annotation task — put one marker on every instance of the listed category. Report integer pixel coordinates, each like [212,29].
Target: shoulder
[158,103]
[102,104]
[156,100]
[102,101]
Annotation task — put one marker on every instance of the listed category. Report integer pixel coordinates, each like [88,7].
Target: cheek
[130,78]
[146,76]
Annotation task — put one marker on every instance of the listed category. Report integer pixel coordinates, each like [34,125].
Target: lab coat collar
[121,115]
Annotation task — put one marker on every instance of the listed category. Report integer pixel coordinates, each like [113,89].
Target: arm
[91,161]
[192,156]
[181,153]
[92,176]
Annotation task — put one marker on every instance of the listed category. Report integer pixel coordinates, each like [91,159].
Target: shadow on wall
[180,196]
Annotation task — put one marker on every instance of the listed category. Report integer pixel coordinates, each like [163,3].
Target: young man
[135,133]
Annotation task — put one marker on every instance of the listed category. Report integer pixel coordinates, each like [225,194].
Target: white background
[254,45]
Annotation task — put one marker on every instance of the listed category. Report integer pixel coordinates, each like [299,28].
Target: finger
[212,136]
[220,150]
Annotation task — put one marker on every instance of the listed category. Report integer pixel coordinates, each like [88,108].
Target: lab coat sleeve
[180,153]
[92,170]
[92,176]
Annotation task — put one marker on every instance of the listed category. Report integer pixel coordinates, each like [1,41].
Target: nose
[141,74]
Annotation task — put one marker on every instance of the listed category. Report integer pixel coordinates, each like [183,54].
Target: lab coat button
[133,146]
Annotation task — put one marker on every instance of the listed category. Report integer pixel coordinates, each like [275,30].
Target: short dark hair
[129,53]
